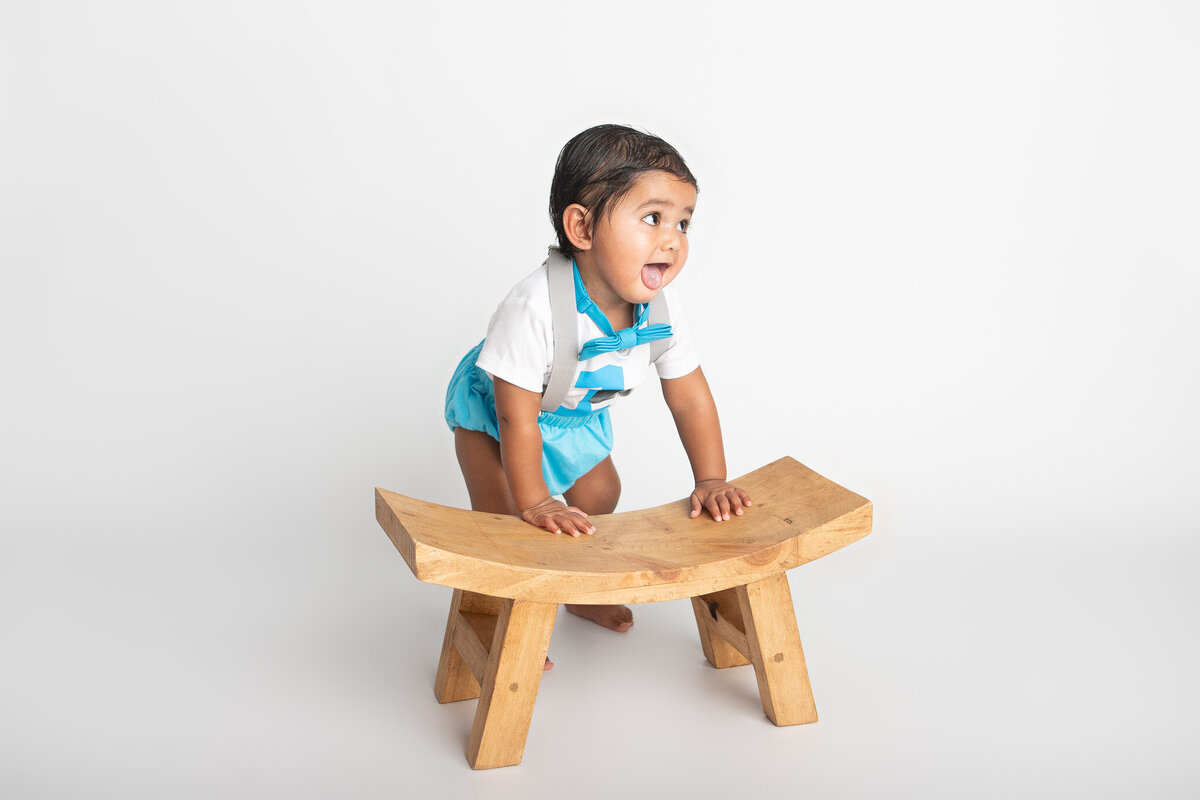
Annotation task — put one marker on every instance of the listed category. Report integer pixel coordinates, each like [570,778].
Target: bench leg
[454,680]
[510,683]
[775,652]
[722,633]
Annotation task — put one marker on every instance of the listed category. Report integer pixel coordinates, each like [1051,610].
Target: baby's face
[642,244]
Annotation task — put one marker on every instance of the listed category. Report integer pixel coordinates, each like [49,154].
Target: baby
[621,202]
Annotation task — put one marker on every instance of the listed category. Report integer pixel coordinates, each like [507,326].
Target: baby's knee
[608,495]
[597,493]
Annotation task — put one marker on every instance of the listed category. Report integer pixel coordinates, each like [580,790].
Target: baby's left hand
[719,497]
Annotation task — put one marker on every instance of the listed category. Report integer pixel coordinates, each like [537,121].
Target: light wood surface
[510,686]
[454,680]
[509,577]
[641,556]
[775,651]
[465,646]
[722,632]
[473,638]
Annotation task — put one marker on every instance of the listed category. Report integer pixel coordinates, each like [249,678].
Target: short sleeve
[519,347]
[680,358]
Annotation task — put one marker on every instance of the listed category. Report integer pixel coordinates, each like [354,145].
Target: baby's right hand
[557,517]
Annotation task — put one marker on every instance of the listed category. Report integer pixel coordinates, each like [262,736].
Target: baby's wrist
[548,500]
[531,495]
[703,481]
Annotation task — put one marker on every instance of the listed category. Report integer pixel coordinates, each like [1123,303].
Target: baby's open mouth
[652,275]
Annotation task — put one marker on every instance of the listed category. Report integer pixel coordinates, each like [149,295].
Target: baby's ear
[578,226]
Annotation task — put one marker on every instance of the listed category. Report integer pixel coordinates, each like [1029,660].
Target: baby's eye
[684,224]
[651,218]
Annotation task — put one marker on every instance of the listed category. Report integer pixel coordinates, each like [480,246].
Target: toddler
[621,202]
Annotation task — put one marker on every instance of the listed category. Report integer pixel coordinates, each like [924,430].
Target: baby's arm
[695,412]
[521,453]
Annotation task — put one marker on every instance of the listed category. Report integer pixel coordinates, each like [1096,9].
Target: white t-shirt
[520,349]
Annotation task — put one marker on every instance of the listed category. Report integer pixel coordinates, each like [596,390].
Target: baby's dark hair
[600,166]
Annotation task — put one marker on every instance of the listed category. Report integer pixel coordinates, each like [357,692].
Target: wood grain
[636,556]
[722,632]
[775,651]
[454,680]
[509,577]
[473,638]
[510,686]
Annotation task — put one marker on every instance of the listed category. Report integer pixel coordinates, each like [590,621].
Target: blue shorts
[571,446]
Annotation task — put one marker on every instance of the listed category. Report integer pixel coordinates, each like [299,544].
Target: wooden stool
[509,577]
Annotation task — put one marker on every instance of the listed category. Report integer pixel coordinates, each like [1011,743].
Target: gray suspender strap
[565,330]
[659,313]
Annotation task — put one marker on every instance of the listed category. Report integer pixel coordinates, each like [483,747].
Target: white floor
[184,669]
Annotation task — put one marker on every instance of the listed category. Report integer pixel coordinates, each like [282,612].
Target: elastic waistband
[553,420]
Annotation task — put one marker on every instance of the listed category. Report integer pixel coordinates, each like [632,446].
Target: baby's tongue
[652,276]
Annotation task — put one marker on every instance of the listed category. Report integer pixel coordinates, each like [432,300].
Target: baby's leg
[597,493]
[487,485]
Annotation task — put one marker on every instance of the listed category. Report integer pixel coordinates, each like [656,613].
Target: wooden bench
[509,578]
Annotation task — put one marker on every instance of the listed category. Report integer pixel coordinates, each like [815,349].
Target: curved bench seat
[643,556]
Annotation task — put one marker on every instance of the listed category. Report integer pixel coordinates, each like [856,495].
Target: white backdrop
[945,254]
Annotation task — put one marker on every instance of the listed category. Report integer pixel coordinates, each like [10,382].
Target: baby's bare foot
[549,665]
[617,618]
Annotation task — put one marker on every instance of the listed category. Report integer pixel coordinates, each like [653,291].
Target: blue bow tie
[624,339]
[640,333]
